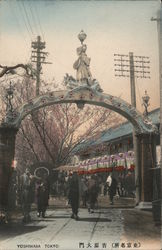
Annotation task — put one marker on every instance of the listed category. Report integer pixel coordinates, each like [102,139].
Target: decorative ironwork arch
[83,95]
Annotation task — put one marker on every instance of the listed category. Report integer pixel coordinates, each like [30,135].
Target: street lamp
[9,98]
[82,36]
[145,103]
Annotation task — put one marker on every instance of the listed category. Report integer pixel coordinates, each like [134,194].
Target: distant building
[114,140]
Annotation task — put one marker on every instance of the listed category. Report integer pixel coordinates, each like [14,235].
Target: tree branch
[10,69]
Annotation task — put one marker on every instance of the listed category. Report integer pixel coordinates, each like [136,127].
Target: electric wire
[27,17]
[34,19]
[13,10]
[39,23]
[24,20]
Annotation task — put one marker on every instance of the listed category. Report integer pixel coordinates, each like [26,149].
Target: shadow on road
[58,217]
[43,220]
[14,229]
[94,219]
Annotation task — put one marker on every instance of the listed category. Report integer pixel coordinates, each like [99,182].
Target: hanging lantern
[120,162]
[113,163]
[88,163]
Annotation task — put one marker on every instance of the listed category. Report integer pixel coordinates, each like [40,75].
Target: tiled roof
[111,134]
[125,128]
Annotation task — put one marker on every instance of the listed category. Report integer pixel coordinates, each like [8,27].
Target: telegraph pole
[38,56]
[133,66]
[157,203]
[158,19]
[132,80]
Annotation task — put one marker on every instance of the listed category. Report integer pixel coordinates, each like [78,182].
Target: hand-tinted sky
[111,27]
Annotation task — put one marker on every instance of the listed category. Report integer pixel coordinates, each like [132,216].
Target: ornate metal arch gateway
[82,95]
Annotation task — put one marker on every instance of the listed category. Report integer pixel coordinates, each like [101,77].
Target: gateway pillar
[7,151]
[147,161]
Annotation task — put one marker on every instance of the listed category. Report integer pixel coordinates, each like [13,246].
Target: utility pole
[38,56]
[133,66]
[157,203]
[132,80]
[158,19]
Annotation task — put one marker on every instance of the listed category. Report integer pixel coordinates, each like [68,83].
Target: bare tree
[52,133]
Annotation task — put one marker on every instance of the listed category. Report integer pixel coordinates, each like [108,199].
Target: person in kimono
[27,194]
[112,186]
[43,189]
[73,195]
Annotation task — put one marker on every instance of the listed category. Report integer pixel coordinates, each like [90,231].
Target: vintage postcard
[80,117]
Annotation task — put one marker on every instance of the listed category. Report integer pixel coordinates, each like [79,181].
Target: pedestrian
[130,184]
[27,194]
[68,180]
[112,186]
[84,191]
[12,193]
[73,195]
[42,196]
[5,198]
[92,193]
[121,184]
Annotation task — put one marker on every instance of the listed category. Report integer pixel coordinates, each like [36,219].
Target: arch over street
[80,96]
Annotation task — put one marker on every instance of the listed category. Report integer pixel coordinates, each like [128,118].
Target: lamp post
[9,97]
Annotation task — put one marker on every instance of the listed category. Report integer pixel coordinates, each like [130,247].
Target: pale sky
[111,27]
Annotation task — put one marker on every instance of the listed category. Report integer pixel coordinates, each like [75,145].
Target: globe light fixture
[146,99]
[82,36]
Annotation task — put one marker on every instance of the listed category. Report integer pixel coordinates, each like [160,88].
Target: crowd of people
[78,190]
[125,183]
[34,189]
[89,187]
